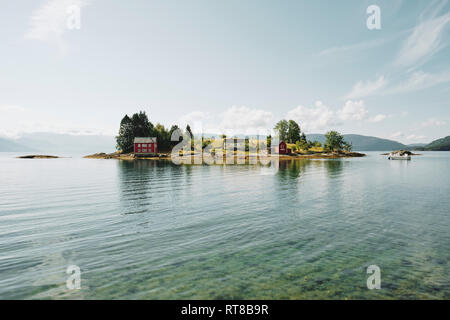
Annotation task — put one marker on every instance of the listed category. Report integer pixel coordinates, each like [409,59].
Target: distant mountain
[417,145]
[7,145]
[53,142]
[364,143]
[439,145]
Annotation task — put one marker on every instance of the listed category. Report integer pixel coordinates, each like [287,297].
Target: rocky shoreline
[401,153]
[166,156]
[38,156]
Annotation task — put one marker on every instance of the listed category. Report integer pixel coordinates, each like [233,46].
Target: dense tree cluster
[140,126]
[335,142]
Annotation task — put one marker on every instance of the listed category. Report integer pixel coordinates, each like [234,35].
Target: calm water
[153,230]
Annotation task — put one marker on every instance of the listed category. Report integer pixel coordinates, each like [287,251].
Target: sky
[234,66]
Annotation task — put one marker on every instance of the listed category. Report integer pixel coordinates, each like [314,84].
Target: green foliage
[282,128]
[142,127]
[163,137]
[191,135]
[335,142]
[302,144]
[126,135]
[139,126]
[171,131]
[293,133]
[317,144]
[188,130]
[439,145]
[136,126]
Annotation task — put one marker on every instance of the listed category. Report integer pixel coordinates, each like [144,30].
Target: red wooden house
[145,145]
[283,149]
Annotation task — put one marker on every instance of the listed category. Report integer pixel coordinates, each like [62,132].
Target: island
[139,139]
[38,156]
[401,153]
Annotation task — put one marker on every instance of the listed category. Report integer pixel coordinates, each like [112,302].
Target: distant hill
[439,145]
[7,145]
[364,143]
[53,142]
[417,145]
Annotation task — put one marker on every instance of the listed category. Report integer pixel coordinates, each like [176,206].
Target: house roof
[145,140]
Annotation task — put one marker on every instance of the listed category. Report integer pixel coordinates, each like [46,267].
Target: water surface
[153,230]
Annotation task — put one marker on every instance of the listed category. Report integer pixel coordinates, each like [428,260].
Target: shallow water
[153,230]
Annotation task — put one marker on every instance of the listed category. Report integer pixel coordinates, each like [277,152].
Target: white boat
[397,156]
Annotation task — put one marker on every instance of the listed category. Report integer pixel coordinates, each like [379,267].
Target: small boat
[399,156]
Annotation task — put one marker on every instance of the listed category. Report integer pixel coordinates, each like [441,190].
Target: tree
[171,131]
[125,139]
[302,145]
[282,129]
[293,134]
[335,142]
[136,126]
[163,137]
[191,136]
[142,127]
[188,130]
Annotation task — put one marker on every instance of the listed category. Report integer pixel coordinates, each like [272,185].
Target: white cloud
[378,118]
[322,117]
[407,138]
[49,22]
[353,110]
[316,118]
[426,38]
[397,135]
[243,120]
[17,120]
[420,80]
[363,89]
[354,47]
[415,138]
[235,120]
[194,119]
[432,122]
[11,109]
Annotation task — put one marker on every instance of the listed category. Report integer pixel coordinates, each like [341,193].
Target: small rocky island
[401,153]
[38,156]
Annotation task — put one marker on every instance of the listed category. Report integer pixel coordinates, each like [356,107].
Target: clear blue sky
[234,65]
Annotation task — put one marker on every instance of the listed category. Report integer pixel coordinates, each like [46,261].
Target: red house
[282,148]
[145,145]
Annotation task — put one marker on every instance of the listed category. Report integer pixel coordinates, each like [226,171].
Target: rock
[38,156]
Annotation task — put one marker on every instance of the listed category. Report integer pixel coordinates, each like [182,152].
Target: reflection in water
[292,168]
[334,167]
